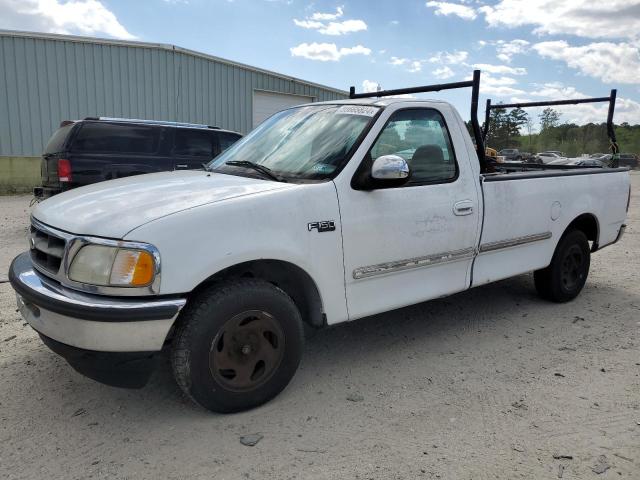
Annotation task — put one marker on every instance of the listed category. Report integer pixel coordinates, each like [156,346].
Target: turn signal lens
[106,265]
[132,268]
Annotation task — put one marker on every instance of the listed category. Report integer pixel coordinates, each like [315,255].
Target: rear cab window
[117,138]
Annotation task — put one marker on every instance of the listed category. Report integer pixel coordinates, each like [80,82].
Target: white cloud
[500,69]
[328,16]
[610,62]
[412,65]
[443,73]
[585,18]
[370,86]
[398,61]
[499,86]
[84,17]
[506,50]
[311,24]
[326,52]
[342,28]
[447,8]
[323,23]
[415,66]
[455,58]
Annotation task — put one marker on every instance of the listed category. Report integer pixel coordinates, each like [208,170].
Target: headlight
[114,266]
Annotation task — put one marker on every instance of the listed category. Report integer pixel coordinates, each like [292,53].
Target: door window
[194,143]
[420,136]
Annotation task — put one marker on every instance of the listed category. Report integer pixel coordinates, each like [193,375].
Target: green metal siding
[47,79]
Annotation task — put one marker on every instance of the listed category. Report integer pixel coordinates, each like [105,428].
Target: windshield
[309,142]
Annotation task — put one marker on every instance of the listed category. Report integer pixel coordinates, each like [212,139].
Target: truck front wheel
[238,345]
[564,278]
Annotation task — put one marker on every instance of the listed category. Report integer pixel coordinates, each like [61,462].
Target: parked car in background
[88,151]
[603,157]
[511,154]
[629,160]
[548,157]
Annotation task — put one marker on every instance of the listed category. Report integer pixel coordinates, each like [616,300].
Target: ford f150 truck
[325,213]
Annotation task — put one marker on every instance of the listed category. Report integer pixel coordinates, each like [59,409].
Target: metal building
[47,78]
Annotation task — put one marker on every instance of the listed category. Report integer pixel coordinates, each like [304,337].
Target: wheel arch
[588,224]
[295,281]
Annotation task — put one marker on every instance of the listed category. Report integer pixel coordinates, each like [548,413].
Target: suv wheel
[238,345]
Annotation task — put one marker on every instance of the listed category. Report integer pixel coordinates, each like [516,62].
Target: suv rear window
[57,140]
[109,137]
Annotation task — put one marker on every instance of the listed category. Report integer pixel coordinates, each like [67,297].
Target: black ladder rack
[612,104]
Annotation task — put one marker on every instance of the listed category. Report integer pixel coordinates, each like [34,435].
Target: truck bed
[518,171]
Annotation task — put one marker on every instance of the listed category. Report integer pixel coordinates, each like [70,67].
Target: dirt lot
[491,383]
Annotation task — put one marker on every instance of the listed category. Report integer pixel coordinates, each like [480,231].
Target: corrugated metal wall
[46,80]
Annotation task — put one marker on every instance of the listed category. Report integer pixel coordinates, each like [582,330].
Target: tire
[237,345]
[565,277]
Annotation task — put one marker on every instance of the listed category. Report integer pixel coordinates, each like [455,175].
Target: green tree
[549,118]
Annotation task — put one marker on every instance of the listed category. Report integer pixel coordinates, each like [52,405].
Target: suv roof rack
[154,122]
[612,104]
[474,83]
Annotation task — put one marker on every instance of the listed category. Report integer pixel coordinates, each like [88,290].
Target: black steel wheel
[247,351]
[565,277]
[237,345]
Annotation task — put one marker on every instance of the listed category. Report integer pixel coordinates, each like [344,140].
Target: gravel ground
[490,383]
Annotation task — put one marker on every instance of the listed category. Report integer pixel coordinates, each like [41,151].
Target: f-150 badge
[323,226]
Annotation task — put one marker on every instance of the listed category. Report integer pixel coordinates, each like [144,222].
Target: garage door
[266,104]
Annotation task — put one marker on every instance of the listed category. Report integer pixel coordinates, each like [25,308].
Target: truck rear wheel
[564,278]
[238,345]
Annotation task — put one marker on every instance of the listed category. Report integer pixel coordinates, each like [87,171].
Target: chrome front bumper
[91,322]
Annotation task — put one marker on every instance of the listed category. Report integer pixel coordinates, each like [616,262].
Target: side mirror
[390,168]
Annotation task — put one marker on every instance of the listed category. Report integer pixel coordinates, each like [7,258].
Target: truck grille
[46,250]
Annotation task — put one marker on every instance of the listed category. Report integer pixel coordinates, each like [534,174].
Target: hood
[114,208]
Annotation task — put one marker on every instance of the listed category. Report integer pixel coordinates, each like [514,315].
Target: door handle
[463,207]
[182,165]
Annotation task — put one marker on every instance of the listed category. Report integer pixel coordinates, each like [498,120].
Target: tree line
[514,129]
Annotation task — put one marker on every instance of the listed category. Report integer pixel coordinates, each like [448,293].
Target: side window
[420,136]
[227,139]
[196,143]
[117,138]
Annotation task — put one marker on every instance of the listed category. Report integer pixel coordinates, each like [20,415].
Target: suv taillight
[64,170]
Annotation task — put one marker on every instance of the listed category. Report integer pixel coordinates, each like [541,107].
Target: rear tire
[565,277]
[238,345]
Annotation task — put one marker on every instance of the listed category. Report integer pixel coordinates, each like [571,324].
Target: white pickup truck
[325,213]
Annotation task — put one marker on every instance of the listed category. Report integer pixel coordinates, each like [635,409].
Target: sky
[526,49]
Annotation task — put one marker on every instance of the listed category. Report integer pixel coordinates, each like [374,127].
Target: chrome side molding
[446,257]
[411,263]
[514,242]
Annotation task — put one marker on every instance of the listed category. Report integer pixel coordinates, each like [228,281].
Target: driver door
[415,242]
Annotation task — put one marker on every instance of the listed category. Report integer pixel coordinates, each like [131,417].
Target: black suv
[96,149]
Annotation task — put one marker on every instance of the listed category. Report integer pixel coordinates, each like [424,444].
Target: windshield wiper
[266,171]
[206,167]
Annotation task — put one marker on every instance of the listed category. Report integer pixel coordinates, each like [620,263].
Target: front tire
[565,277]
[237,345]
